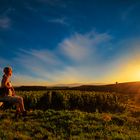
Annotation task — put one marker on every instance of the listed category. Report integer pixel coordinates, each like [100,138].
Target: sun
[136,75]
[126,73]
[133,73]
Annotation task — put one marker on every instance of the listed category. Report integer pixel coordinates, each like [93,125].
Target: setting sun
[136,74]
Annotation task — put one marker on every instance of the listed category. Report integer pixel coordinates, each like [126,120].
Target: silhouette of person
[8,93]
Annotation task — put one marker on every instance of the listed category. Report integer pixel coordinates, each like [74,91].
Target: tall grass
[71,100]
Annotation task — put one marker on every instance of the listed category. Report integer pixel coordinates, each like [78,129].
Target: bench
[4,105]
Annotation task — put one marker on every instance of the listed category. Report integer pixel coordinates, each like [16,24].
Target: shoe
[24,113]
[17,114]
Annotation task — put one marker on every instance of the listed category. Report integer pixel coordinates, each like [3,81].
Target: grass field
[66,124]
[62,120]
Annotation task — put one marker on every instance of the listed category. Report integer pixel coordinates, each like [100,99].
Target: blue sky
[49,42]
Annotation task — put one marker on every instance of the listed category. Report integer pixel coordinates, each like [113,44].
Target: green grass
[64,124]
[72,115]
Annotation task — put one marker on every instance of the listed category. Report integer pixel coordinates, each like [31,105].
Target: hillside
[128,89]
[120,87]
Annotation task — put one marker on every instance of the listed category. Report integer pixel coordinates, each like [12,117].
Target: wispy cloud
[19,79]
[5,22]
[3,61]
[125,66]
[51,66]
[43,55]
[81,47]
[39,63]
[54,3]
[127,12]
[29,7]
[85,50]
[59,21]
[45,67]
[8,11]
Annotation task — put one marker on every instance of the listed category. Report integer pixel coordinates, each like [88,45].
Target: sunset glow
[68,42]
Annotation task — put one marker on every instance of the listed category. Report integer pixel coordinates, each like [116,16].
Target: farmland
[72,114]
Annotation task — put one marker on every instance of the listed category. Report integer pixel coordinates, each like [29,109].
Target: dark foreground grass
[69,125]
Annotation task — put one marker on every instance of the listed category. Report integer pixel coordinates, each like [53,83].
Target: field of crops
[70,100]
[69,114]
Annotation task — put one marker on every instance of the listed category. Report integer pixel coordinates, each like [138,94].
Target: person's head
[7,71]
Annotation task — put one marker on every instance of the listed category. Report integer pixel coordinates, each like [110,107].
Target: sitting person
[8,93]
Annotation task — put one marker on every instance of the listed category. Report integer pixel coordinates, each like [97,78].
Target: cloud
[54,3]
[126,13]
[19,79]
[5,22]
[90,54]
[61,21]
[3,61]
[125,66]
[52,66]
[30,7]
[82,50]
[8,11]
[81,47]
[77,74]
[42,55]
[42,64]
[80,58]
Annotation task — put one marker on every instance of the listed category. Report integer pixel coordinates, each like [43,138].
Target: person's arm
[11,88]
[13,91]
[8,85]
[5,83]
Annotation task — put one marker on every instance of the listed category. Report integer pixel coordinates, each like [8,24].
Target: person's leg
[18,101]
[17,113]
[17,107]
[21,103]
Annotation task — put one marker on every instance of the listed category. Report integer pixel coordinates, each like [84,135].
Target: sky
[53,42]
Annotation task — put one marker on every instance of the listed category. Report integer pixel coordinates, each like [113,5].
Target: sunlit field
[72,114]
[76,63]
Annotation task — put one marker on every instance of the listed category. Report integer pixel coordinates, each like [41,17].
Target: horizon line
[76,84]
